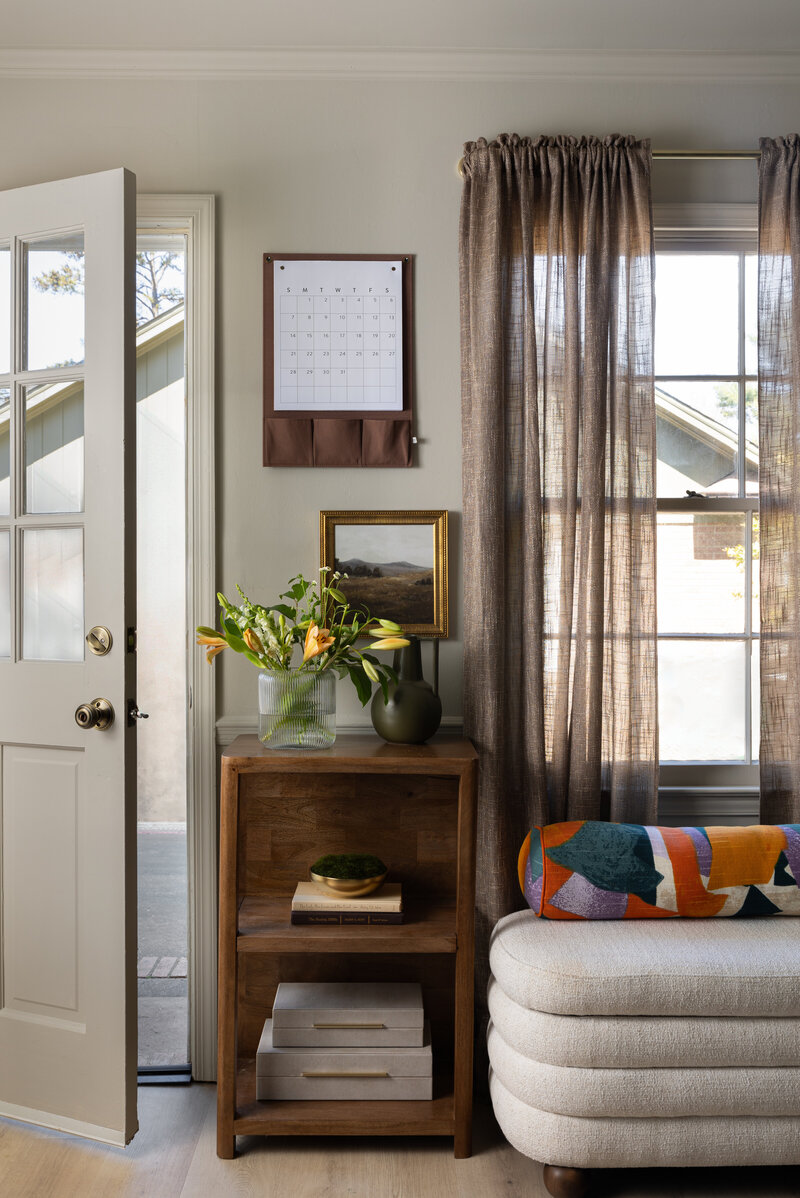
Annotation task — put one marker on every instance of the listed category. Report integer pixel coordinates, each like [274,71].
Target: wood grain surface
[174,1156]
[412,805]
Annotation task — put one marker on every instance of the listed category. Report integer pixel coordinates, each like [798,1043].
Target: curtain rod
[685,156]
[709,155]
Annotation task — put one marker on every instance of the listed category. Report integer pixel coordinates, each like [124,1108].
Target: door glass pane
[52,594]
[5,309]
[53,321]
[697,438]
[5,594]
[54,447]
[701,580]
[697,314]
[701,698]
[5,451]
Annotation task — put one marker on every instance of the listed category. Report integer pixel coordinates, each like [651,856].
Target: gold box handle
[344,1073]
[351,1026]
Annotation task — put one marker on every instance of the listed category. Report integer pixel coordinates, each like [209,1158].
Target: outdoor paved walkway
[163,945]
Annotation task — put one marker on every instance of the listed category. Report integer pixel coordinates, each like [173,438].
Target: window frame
[720,228]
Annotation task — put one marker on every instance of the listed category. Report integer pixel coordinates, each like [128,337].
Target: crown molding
[457,65]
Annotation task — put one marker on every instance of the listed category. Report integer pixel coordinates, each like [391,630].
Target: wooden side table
[412,805]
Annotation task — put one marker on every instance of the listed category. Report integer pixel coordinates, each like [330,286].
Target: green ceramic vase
[414,710]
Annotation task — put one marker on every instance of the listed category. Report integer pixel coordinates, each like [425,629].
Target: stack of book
[314,904]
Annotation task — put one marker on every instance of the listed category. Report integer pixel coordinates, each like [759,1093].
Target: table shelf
[432,1117]
[264,926]
[414,806]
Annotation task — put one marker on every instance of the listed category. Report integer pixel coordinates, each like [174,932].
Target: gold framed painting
[395,562]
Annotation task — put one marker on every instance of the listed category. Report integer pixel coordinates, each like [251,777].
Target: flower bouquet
[297,702]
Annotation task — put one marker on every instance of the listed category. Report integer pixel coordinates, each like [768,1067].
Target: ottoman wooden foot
[566,1183]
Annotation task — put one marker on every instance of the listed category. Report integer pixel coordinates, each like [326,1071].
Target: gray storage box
[343,1073]
[347,1014]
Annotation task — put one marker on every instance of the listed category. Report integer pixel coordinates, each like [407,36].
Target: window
[707,488]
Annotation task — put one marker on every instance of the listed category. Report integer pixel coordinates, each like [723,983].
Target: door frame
[194,215]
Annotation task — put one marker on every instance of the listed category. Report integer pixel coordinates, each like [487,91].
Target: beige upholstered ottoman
[646,1042]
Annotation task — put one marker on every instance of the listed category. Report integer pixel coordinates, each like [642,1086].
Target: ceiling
[754,26]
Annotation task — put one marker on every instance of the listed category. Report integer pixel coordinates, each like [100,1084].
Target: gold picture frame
[400,575]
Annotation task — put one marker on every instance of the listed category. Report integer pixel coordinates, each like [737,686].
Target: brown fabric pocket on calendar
[337,442]
[288,443]
[386,443]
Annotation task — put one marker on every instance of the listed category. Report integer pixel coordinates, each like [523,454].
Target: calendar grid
[338,335]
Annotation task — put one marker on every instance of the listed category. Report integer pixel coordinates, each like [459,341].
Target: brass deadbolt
[99,640]
[98,714]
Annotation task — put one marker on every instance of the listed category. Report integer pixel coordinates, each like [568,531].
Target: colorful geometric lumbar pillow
[585,869]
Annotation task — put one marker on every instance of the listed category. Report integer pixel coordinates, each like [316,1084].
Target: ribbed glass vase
[296,710]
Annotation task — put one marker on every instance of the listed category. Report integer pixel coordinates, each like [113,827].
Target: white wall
[366,165]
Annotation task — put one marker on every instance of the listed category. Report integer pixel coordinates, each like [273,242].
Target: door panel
[40,823]
[67,562]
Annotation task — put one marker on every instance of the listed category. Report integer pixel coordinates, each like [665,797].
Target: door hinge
[131,640]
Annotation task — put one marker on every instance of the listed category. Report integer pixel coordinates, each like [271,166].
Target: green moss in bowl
[351,874]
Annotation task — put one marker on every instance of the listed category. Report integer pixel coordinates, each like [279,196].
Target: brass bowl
[349,887]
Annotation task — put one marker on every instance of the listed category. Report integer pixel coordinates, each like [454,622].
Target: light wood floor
[173,1156]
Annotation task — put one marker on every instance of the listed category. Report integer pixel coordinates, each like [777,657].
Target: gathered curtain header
[580,183]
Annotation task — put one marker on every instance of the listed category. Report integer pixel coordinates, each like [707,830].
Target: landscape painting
[394,562]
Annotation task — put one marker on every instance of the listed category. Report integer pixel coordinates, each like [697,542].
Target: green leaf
[283,609]
[361,683]
[252,657]
[385,689]
[337,595]
[231,627]
[237,644]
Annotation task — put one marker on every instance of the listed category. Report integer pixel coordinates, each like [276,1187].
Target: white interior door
[67,563]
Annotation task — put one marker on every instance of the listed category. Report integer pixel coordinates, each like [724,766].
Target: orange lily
[317,641]
[216,645]
[252,641]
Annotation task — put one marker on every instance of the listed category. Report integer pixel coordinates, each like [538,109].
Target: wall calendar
[337,359]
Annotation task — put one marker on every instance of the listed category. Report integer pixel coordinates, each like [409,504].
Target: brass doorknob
[98,714]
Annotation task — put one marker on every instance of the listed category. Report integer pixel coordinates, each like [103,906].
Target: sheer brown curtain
[557,268]
[779,475]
